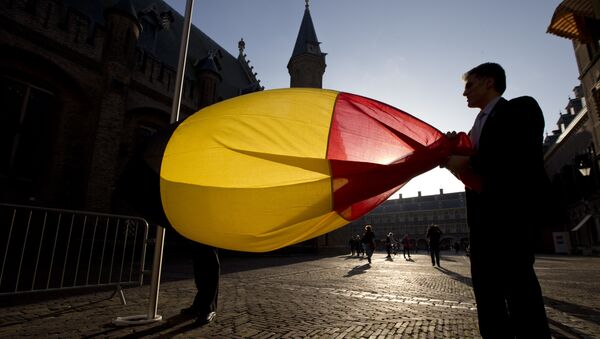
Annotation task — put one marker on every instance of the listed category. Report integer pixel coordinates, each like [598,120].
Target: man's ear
[489,83]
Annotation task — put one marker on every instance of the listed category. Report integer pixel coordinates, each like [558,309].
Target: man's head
[483,83]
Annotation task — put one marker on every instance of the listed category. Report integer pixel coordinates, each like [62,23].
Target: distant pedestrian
[434,234]
[456,247]
[368,241]
[406,246]
[389,244]
[360,250]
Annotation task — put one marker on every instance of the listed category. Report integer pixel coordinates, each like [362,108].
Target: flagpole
[152,315]
[183,48]
[175,109]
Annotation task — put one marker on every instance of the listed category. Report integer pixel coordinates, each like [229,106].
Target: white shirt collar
[490,106]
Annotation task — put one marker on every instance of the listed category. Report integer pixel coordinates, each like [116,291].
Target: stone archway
[43,128]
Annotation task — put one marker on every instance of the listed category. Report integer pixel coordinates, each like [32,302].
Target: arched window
[26,115]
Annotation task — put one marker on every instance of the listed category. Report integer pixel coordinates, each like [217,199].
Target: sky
[408,54]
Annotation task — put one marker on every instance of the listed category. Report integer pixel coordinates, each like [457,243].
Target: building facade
[86,83]
[414,215]
[572,158]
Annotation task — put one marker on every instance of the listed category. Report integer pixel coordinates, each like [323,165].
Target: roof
[160,37]
[307,41]
[569,20]
[208,64]
[125,7]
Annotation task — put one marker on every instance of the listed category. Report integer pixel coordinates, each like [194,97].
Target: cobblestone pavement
[319,297]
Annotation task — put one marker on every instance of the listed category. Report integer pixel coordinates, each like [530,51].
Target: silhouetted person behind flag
[139,187]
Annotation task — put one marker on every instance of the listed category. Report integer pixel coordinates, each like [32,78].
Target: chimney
[441,191]
[419,193]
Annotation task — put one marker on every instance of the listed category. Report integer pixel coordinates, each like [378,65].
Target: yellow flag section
[250,173]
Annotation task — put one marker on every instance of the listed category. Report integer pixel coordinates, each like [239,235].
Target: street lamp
[585,238]
[584,164]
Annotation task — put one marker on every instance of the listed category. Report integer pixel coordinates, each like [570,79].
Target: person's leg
[525,302]
[207,270]
[432,254]
[437,255]
[488,288]
[369,251]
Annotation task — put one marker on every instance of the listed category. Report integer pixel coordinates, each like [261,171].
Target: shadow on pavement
[358,270]
[169,325]
[562,331]
[54,314]
[583,312]
[448,258]
[455,276]
[180,267]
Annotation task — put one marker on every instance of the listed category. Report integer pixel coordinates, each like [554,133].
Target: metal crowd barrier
[48,249]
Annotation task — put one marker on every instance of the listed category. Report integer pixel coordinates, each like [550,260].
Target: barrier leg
[119,290]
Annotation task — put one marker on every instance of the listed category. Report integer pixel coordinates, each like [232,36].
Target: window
[25,119]
[593,49]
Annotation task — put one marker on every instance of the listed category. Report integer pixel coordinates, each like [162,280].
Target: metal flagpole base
[141,319]
[152,315]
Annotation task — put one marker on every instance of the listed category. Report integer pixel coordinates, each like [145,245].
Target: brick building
[84,84]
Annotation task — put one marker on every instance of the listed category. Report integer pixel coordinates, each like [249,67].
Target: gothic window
[596,98]
[24,119]
[593,49]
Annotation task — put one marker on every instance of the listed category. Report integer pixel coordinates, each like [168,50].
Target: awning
[569,21]
[581,223]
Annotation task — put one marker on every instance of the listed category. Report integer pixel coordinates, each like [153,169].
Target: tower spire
[307,64]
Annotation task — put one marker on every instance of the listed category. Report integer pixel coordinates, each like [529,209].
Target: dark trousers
[207,270]
[508,295]
[406,251]
[434,251]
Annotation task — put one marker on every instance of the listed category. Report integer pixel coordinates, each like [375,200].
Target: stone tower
[209,77]
[307,64]
[123,31]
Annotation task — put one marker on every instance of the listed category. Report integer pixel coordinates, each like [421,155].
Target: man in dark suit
[508,163]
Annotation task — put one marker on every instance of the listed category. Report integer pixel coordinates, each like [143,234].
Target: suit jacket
[511,165]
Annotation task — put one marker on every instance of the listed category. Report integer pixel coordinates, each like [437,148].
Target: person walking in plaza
[434,234]
[406,246]
[368,241]
[352,243]
[389,243]
[508,164]
[360,249]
